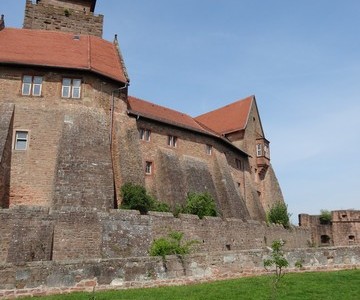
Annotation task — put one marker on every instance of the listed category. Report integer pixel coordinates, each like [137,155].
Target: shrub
[171,245]
[135,197]
[325,216]
[278,214]
[201,204]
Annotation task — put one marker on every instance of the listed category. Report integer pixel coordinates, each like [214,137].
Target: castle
[72,136]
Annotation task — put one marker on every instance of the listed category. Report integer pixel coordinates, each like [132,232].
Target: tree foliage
[278,214]
[135,197]
[278,260]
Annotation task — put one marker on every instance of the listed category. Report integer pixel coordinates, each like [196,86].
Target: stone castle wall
[49,16]
[44,278]
[343,230]
[40,234]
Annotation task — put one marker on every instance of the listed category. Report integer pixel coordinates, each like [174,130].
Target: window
[144,134]
[238,164]
[325,239]
[208,149]
[148,168]
[172,141]
[71,88]
[259,151]
[21,140]
[31,85]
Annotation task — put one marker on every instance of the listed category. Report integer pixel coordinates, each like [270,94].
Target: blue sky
[301,59]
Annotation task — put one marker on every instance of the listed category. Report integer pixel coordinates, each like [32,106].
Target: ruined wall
[346,227]
[46,16]
[6,120]
[343,230]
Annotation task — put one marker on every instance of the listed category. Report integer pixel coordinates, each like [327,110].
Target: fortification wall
[52,17]
[34,233]
[40,278]
[6,123]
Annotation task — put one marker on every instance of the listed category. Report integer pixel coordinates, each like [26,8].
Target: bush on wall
[278,214]
[135,197]
[200,204]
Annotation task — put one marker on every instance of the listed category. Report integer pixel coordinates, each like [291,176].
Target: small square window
[148,168]
[208,149]
[172,141]
[21,140]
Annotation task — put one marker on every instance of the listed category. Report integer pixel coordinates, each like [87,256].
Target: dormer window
[31,85]
[71,88]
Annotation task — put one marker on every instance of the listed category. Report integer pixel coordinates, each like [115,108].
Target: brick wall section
[67,19]
[26,235]
[343,230]
[38,279]
[55,125]
[7,114]
[188,168]
[79,233]
[84,169]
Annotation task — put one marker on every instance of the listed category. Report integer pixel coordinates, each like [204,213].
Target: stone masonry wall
[38,279]
[50,17]
[6,123]
[30,234]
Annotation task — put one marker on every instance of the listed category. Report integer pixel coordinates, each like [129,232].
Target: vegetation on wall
[172,244]
[200,204]
[278,214]
[135,197]
[325,217]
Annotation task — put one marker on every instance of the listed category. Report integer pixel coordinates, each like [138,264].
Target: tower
[75,16]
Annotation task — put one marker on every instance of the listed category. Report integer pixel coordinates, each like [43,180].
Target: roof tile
[59,49]
[229,118]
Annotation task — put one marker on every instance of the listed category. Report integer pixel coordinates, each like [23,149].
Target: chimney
[2,22]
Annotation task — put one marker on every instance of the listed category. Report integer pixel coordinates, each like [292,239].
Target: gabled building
[71,136]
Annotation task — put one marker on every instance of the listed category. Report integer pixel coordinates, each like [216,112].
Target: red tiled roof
[59,49]
[163,114]
[230,118]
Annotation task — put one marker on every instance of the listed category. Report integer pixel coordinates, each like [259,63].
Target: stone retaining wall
[44,278]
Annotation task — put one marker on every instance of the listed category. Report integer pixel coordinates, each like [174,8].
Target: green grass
[342,285]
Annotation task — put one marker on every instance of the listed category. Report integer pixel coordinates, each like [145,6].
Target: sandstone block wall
[6,123]
[35,279]
[33,234]
[46,16]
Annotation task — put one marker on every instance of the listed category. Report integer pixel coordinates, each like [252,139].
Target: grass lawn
[342,285]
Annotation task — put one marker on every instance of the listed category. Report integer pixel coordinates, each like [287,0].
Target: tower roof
[62,50]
